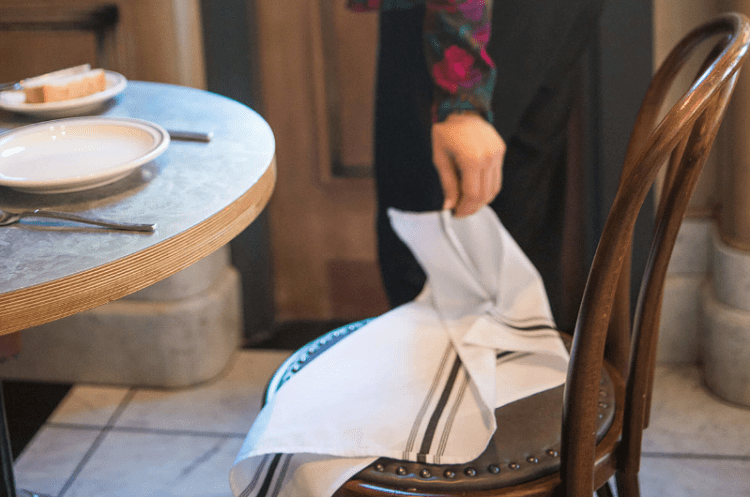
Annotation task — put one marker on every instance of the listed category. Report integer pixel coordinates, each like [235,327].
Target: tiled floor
[152,443]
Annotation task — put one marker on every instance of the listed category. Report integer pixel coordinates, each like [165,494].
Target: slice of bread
[51,76]
[66,87]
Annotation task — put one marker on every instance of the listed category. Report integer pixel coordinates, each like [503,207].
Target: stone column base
[726,348]
[726,311]
[177,333]
[680,329]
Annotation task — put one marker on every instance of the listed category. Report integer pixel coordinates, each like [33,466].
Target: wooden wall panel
[153,40]
[27,53]
[322,227]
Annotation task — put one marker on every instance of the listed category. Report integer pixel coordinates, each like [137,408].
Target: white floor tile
[51,457]
[686,418]
[228,404]
[151,465]
[88,405]
[663,477]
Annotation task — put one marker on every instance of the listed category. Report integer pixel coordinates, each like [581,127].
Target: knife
[193,136]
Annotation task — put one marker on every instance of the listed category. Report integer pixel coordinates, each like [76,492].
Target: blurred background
[308,67]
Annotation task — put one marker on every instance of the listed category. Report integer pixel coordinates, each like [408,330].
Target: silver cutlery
[193,136]
[8,218]
[13,86]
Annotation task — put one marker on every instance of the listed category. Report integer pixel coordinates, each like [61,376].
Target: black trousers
[531,104]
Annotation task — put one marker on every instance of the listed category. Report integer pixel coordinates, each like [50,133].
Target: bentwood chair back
[572,440]
[682,140]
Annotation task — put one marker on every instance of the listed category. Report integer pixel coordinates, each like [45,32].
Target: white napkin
[420,382]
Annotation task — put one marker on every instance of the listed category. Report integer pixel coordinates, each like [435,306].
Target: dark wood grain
[695,117]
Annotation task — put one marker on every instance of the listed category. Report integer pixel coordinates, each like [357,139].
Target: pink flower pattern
[456,70]
[473,11]
[456,35]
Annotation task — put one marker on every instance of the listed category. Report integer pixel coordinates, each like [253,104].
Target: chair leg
[605,491]
[627,484]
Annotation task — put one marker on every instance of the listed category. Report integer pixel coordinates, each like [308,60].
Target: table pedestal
[178,332]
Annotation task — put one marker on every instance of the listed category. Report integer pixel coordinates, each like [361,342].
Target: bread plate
[14,101]
[77,153]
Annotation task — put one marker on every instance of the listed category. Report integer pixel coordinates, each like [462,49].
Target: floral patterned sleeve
[456,33]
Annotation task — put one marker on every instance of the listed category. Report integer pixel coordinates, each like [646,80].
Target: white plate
[14,101]
[77,153]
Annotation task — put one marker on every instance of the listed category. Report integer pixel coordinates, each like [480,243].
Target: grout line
[149,431]
[716,457]
[98,441]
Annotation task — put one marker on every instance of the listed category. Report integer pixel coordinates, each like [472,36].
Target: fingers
[468,156]
[472,189]
[448,178]
[480,183]
[497,177]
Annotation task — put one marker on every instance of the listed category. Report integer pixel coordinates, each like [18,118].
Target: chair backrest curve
[689,127]
[648,310]
[618,338]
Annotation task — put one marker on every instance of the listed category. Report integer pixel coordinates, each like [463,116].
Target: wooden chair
[603,408]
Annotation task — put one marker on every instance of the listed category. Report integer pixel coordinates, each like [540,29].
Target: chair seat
[525,446]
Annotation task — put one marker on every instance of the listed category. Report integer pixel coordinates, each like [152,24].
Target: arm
[467,150]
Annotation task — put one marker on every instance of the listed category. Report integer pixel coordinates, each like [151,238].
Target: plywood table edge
[63,297]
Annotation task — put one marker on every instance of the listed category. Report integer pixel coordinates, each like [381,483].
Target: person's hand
[468,154]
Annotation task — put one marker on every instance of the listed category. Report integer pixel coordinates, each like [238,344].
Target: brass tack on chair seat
[490,470]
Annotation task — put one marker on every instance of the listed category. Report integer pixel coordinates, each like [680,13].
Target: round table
[200,195]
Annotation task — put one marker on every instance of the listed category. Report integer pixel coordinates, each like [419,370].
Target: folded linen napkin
[420,382]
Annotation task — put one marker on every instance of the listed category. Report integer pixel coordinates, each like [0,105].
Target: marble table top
[199,195]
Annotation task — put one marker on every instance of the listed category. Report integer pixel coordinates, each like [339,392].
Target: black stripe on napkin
[510,356]
[531,328]
[429,434]
[282,475]
[269,476]
[528,324]
[451,417]
[256,477]
[428,399]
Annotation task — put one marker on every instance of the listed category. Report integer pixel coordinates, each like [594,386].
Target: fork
[8,218]
[16,85]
